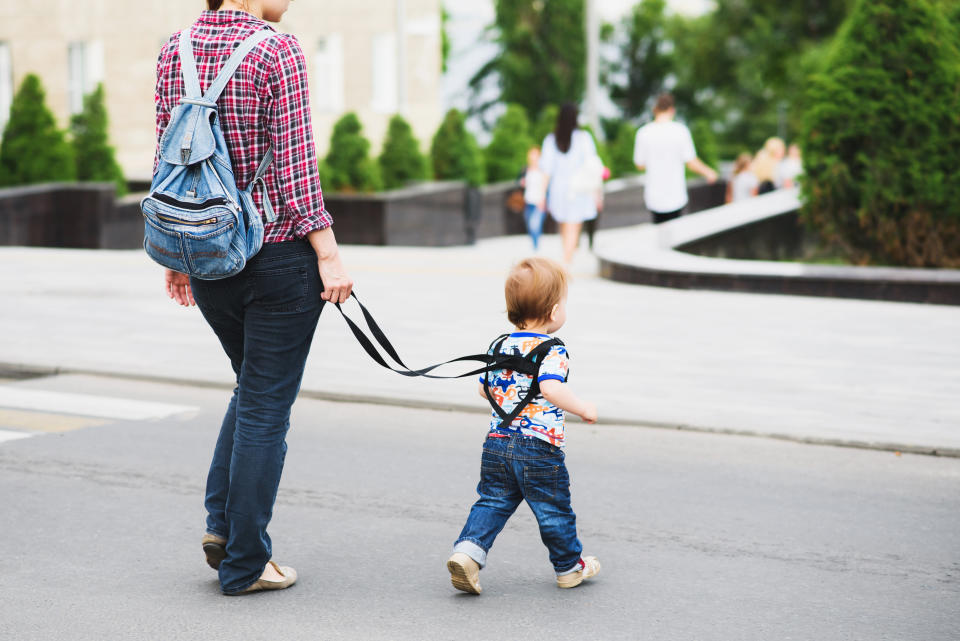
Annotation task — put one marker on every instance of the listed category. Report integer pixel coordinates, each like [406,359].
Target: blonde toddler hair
[533,287]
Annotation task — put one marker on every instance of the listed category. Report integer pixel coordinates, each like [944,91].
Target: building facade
[373,57]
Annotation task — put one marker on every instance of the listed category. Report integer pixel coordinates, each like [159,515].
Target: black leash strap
[491,362]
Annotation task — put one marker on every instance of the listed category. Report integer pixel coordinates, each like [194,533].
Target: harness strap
[541,351]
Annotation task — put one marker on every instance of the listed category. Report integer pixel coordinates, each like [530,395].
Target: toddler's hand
[589,412]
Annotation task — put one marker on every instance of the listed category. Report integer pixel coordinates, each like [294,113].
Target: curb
[22,371]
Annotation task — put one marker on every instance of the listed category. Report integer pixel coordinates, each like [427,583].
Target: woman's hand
[337,284]
[177,286]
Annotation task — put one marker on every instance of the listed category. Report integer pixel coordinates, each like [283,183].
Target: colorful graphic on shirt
[539,418]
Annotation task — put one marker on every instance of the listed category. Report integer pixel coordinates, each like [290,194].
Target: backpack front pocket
[213,252]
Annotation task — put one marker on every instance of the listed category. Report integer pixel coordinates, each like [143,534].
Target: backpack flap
[189,139]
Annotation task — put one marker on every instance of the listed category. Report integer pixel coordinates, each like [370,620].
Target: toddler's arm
[558,393]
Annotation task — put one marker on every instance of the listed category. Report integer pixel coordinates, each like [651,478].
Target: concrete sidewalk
[846,372]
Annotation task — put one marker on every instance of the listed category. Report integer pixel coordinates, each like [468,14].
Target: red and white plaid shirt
[265,103]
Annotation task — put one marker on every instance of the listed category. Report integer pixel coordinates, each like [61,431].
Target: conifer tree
[506,154]
[348,164]
[33,150]
[400,160]
[95,159]
[882,134]
[454,151]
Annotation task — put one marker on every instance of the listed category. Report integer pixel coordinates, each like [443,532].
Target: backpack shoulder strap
[188,67]
[230,66]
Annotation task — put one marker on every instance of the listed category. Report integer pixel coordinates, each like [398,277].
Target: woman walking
[566,153]
[266,315]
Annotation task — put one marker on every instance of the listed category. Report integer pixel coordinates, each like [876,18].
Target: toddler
[524,460]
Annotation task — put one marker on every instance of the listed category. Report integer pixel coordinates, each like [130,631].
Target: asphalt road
[701,536]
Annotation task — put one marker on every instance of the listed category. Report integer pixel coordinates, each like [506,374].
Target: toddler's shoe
[215,549]
[590,567]
[464,573]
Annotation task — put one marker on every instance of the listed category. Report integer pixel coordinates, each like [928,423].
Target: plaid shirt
[265,103]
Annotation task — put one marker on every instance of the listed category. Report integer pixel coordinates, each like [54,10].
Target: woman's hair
[742,163]
[214,5]
[765,166]
[533,287]
[566,123]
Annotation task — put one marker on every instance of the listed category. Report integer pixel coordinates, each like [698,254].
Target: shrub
[400,160]
[881,137]
[546,123]
[454,151]
[506,154]
[95,159]
[348,165]
[33,149]
[621,150]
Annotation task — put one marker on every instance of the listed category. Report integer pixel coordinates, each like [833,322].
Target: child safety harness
[196,220]
[528,364]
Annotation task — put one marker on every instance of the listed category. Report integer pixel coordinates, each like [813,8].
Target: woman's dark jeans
[265,318]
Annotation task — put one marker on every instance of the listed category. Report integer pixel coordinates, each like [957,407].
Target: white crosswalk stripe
[86,405]
[8,435]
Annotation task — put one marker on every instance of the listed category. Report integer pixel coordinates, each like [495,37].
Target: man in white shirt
[663,148]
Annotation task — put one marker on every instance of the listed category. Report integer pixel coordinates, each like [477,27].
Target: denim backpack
[196,221]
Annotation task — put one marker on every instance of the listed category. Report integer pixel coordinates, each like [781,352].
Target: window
[6,85]
[85,71]
[329,69]
[385,73]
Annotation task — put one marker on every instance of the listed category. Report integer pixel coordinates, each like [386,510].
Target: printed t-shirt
[540,418]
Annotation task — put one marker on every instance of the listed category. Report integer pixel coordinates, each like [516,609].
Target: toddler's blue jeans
[265,318]
[513,469]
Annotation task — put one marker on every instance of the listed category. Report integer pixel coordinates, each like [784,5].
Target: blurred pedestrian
[534,194]
[743,183]
[766,165]
[566,153]
[791,167]
[664,148]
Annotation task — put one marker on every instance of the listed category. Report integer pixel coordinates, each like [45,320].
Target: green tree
[621,150]
[444,38]
[643,58]
[506,154]
[348,165]
[741,66]
[400,160]
[95,159]
[454,151]
[881,137]
[546,122]
[542,54]
[33,149]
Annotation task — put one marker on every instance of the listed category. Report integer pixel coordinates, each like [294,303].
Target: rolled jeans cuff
[472,550]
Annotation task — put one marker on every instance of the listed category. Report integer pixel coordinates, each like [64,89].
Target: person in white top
[664,148]
[743,183]
[790,167]
[569,160]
